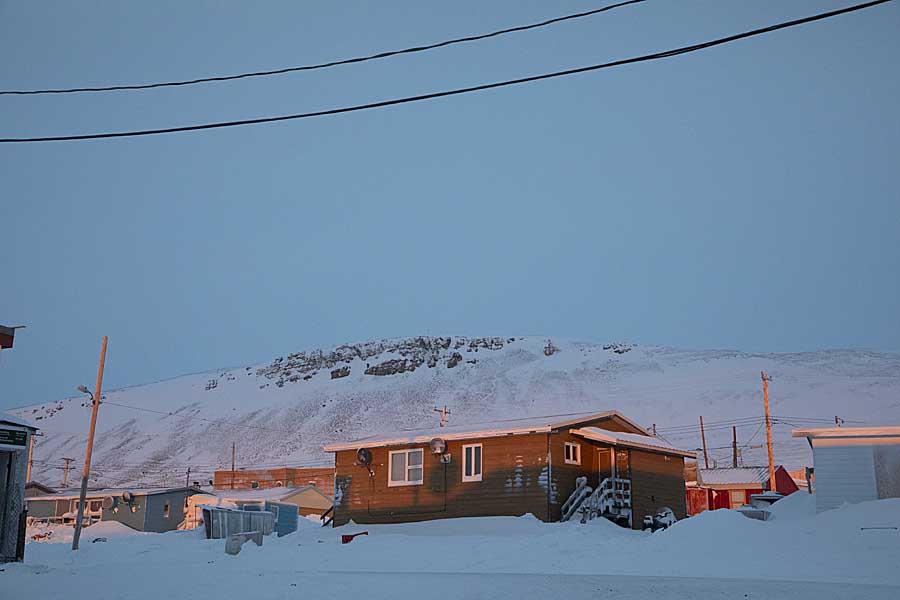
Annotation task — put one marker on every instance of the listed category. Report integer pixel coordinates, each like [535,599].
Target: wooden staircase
[611,500]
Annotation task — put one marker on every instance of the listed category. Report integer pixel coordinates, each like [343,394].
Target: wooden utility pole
[65,480]
[30,457]
[765,382]
[703,437]
[232,465]
[654,430]
[90,445]
[734,451]
[444,412]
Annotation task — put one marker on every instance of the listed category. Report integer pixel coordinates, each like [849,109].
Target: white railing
[612,499]
[571,506]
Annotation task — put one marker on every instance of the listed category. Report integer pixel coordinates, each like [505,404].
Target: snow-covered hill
[281,413]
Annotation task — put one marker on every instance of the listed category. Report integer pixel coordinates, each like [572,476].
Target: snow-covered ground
[718,554]
[283,412]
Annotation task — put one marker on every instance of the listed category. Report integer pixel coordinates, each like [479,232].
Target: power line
[335,63]
[458,91]
[216,421]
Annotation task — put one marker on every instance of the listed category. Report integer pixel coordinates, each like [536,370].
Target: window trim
[474,476]
[577,447]
[406,481]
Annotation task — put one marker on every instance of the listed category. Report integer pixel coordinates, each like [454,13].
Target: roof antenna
[444,412]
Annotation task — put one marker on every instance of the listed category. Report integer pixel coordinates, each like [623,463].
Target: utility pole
[90,445]
[444,412]
[654,430]
[232,465]
[765,381]
[30,456]
[703,437]
[734,451]
[65,480]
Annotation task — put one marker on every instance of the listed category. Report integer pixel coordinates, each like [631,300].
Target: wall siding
[843,474]
[514,482]
[657,481]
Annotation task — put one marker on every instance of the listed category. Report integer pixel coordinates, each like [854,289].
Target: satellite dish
[109,502]
[128,497]
[364,455]
[438,446]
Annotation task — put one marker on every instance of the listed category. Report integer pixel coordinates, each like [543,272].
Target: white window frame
[474,476]
[406,480]
[570,447]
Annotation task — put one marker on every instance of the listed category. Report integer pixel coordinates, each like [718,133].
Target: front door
[606,462]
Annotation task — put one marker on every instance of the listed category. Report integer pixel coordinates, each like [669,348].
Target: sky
[745,196]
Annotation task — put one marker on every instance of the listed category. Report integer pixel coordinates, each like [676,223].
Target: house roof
[73,494]
[733,477]
[631,440]
[14,420]
[276,493]
[39,486]
[542,424]
[848,432]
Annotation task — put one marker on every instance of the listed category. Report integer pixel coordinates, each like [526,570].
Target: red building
[731,487]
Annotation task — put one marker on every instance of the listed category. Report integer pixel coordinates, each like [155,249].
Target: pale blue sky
[743,197]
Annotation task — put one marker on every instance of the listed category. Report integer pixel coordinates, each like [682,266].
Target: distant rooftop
[525,425]
[275,493]
[73,493]
[734,476]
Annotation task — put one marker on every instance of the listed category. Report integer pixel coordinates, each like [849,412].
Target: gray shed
[144,509]
[15,439]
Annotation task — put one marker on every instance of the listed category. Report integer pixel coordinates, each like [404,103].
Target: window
[406,467]
[736,497]
[573,453]
[166,510]
[471,462]
[254,484]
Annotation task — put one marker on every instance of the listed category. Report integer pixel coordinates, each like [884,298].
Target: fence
[220,523]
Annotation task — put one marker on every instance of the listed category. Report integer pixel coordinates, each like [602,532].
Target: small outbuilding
[731,487]
[143,509]
[854,464]
[15,439]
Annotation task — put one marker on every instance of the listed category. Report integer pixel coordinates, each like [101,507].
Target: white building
[854,464]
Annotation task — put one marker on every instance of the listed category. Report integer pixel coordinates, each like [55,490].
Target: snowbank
[57,534]
[798,545]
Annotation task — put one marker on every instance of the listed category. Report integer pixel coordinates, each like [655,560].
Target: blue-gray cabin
[143,509]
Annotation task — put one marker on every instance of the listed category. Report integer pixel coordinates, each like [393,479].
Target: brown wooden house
[322,478]
[511,467]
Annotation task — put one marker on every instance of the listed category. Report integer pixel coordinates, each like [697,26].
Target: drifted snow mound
[283,411]
[59,534]
[798,505]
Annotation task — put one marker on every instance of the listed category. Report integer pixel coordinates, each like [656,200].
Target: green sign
[13,437]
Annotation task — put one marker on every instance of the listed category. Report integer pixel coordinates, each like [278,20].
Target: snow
[275,493]
[281,418]
[631,440]
[62,534]
[539,424]
[733,476]
[15,420]
[798,554]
